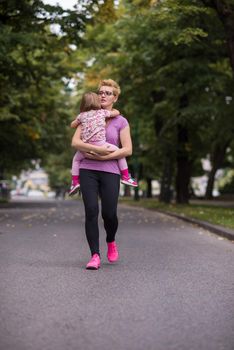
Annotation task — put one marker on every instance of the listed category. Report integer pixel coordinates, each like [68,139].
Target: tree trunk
[183,159]
[127,192]
[183,180]
[210,183]
[136,194]
[183,167]
[165,191]
[149,187]
[217,160]
[1,173]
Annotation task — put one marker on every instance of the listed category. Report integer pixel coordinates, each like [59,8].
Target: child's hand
[115,112]
[74,124]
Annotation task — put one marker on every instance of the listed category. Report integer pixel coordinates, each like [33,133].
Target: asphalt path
[172,288]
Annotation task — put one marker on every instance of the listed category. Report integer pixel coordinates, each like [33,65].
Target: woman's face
[107,97]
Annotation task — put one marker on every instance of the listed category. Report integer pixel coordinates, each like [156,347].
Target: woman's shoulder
[120,116]
[121,120]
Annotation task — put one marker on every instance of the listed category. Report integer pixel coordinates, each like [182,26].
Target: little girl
[92,120]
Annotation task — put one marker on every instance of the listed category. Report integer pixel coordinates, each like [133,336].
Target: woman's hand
[93,156]
[125,151]
[102,150]
[78,144]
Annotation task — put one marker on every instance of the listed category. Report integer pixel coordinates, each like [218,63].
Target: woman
[100,176]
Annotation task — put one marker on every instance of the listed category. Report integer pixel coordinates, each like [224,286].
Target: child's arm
[110,114]
[75,123]
[124,151]
[114,113]
[78,144]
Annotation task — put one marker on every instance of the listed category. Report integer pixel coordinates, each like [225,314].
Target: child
[92,120]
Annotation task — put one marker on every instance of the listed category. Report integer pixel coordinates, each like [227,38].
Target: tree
[225,11]
[171,61]
[36,64]
[178,66]
[220,135]
[185,68]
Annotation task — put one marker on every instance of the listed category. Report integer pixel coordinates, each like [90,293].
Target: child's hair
[89,101]
[111,83]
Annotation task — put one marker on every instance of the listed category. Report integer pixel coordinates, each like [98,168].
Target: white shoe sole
[74,191]
[127,183]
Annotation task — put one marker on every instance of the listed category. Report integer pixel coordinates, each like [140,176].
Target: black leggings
[105,185]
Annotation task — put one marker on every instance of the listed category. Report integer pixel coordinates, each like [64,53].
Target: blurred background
[174,61]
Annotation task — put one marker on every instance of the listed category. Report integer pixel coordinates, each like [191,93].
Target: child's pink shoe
[74,189]
[129,181]
[94,263]
[112,252]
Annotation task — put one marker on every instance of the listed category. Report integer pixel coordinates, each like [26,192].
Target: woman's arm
[124,151]
[78,144]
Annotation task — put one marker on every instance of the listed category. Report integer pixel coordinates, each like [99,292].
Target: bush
[228,188]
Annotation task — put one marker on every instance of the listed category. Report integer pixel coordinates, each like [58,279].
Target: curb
[218,230]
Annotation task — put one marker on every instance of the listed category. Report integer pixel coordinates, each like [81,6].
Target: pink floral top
[93,125]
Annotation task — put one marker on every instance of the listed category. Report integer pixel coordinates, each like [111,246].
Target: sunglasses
[105,93]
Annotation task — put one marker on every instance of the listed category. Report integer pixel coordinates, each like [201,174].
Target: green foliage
[171,61]
[58,168]
[228,186]
[170,58]
[36,65]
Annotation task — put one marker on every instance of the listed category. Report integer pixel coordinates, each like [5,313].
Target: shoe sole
[92,268]
[74,191]
[127,183]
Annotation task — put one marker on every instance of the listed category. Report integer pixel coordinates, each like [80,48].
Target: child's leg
[76,167]
[75,185]
[123,166]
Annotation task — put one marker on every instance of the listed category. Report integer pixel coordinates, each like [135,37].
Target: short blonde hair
[90,101]
[111,83]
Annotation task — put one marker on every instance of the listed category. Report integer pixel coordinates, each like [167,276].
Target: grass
[213,214]
[3,201]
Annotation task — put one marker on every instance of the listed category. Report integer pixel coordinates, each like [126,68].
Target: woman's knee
[91,212]
[109,215]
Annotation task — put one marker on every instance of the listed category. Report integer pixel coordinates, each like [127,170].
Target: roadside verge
[217,229]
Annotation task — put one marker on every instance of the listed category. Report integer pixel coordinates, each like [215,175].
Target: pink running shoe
[129,181]
[94,263]
[112,252]
[74,189]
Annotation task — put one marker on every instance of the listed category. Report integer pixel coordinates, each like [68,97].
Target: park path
[171,290]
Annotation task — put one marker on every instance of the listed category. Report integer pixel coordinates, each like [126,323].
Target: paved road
[171,290]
